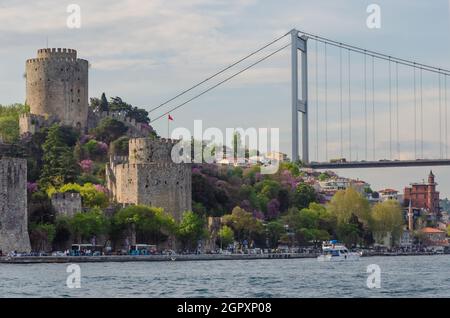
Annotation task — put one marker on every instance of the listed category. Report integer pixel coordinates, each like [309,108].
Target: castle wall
[67,204]
[122,182]
[149,177]
[57,85]
[165,185]
[146,150]
[13,206]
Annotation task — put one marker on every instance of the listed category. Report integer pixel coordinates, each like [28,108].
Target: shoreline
[169,258]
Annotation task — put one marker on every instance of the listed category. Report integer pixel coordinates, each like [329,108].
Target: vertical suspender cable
[317,97]
[373,107]
[326,103]
[415,114]
[440,116]
[446,115]
[390,111]
[397,110]
[340,102]
[365,105]
[421,113]
[349,109]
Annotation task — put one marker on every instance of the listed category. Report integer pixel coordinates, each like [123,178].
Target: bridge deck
[380,164]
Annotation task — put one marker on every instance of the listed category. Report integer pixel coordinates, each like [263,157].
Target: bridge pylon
[299,43]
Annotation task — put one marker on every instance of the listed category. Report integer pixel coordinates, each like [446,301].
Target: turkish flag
[170,117]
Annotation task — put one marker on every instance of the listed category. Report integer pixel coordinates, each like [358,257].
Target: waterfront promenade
[181,257]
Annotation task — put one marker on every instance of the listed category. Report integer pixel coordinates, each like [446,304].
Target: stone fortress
[148,176]
[57,92]
[13,205]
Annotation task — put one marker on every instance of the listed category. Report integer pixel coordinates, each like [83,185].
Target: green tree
[59,165]
[304,195]
[9,121]
[243,223]
[63,232]
[226,236]
[119,146]
[89,224]
[346,203]
[275,230]
[104,105]
[109,129]
[387,221]
[41,236]
[90,195]
[149,224]
[9,129]
[312,224]
[191,229]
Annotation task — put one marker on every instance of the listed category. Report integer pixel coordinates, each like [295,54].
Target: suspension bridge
[358,108]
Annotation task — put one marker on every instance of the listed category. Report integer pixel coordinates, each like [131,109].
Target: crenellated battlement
[66,196]
[139,129]
[57,53]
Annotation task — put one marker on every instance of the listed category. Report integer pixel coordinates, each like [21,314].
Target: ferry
[333,251]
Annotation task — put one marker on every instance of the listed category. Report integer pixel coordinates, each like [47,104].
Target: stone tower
[13,206]
[148,176]
[57,86]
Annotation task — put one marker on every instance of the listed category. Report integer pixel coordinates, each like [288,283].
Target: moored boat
[333,251]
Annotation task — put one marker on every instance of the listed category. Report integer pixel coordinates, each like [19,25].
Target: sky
[148,51]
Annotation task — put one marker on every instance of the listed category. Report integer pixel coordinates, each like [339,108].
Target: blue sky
[147,51]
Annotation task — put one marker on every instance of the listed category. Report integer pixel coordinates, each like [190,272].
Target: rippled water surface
[415,276]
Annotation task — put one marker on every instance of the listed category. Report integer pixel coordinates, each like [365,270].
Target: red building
[423,195]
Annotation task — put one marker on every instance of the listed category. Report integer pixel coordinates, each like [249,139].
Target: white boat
[335,252]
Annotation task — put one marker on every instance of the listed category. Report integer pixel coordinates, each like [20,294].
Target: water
[415,276]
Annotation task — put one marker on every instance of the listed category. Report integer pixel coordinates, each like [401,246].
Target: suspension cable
[390,111]
[378,55]
[415,114]
[373,107]
[440,117]
[446,117]
[365,105]
[317,97]
[421,114]
[349,108]
[326,104]
[218,73]
[340,102]
[221,82]
[397,110]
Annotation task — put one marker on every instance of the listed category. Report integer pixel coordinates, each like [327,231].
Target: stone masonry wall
[67,204]
[13,206]
[57,85]
[149,177]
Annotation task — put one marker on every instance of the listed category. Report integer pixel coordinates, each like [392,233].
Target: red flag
[170,117]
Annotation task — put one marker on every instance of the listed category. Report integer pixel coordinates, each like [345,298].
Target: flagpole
[168,123]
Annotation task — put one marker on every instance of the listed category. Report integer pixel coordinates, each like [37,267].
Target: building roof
[431,230]
[388,191]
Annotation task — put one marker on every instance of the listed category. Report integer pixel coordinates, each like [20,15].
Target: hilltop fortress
[57,92]
[56,89]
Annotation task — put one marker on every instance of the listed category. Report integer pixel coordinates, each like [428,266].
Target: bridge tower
[299,43]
